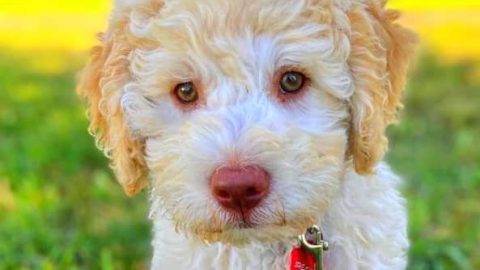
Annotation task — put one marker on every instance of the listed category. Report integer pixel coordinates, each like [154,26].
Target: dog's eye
[292,81]
[186,92]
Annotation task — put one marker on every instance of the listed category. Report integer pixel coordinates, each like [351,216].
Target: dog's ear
[101,83]
[380,54]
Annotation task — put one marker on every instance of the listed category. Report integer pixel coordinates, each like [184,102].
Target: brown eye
[292,81]
[186,92]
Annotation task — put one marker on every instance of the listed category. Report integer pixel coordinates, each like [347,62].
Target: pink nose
[240,189]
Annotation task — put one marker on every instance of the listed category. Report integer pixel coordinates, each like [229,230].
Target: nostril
[223,195]
[251,192]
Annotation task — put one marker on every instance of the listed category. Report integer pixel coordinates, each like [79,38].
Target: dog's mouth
[238,227]
[248,219]
[256,218]
[241,232]
[247,223]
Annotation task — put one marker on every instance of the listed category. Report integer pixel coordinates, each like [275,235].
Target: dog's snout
[240,188]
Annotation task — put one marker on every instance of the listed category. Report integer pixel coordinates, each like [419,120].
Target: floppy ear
[380,54]
[101,83]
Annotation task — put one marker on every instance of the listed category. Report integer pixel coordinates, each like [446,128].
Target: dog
[250,121]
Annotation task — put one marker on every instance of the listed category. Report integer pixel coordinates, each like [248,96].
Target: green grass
[60,207]
[68,213]
[435,149]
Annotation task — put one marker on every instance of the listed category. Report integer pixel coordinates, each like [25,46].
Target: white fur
[233,48]
[365,227]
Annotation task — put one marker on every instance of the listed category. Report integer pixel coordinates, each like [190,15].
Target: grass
[60,207]
[65,211]
[435,149]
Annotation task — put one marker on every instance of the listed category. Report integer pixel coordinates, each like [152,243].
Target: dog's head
[244,114]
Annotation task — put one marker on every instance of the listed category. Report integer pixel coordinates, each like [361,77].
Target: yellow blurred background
[447,27]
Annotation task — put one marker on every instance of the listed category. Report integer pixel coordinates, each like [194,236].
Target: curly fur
[323,149]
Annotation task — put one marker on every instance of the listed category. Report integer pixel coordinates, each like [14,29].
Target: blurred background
[60,207]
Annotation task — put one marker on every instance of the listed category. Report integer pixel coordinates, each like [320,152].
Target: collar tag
[308,253]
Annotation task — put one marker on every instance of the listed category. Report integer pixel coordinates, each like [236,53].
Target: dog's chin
[240,234]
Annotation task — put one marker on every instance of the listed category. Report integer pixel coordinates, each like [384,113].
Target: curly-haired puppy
[251,120]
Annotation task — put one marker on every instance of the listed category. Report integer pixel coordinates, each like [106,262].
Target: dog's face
[245,113]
